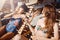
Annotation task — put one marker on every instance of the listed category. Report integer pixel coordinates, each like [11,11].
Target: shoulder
[56,26]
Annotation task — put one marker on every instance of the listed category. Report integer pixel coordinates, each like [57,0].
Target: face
[45,10]
[21,10]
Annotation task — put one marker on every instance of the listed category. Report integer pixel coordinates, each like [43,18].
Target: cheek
[43,11]
[21,10]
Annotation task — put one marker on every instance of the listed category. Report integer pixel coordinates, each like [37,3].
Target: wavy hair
[50,14]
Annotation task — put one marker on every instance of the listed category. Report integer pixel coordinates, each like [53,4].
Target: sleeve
[11,28]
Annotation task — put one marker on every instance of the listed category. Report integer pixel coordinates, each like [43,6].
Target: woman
[46,24]
[15,22]
[35,17]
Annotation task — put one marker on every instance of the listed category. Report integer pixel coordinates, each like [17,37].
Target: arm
[31,29]
[21,29]
[28,23]
[56,31]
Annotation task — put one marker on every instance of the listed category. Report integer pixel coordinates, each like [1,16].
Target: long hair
[50,14]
